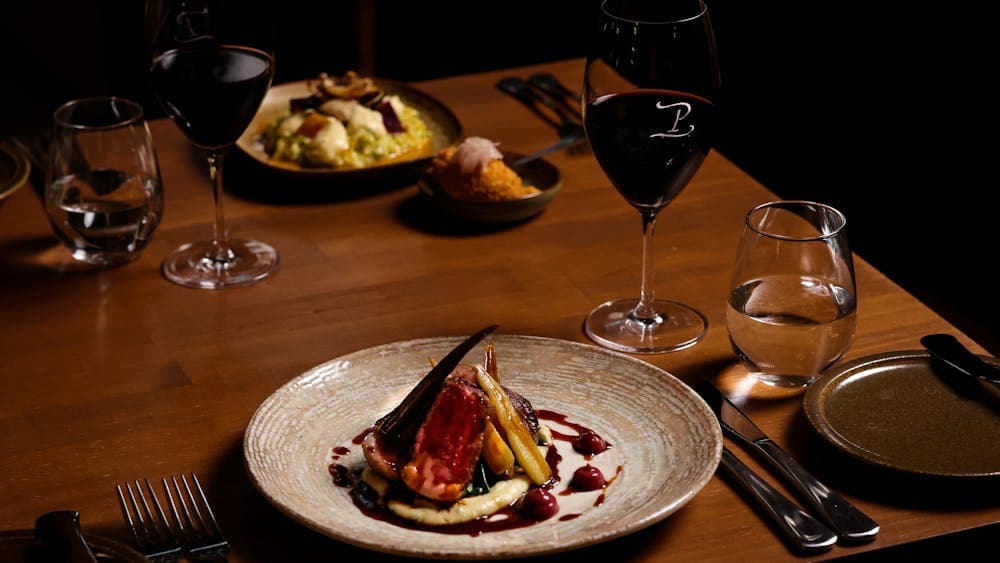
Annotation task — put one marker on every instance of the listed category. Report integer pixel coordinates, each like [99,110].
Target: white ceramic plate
[664,436]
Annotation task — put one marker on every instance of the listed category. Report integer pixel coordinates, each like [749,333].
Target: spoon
[949,350]
[60,532]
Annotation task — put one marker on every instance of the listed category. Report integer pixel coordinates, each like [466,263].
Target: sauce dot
[589,443]
[588,478]
[539,504]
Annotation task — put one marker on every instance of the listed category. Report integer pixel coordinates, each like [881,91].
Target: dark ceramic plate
[444,127]
[14,169]
[539,173]
[21,546]
[903,411]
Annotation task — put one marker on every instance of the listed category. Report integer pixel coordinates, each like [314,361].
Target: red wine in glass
[650,86]
[212,92]
[210,71]
[650,142]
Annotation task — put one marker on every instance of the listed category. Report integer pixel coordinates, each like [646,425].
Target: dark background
[884,111]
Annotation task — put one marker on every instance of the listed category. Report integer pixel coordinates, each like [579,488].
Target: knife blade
[850,524]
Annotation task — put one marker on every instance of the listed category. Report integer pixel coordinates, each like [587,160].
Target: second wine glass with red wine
[650,86]
[211,67]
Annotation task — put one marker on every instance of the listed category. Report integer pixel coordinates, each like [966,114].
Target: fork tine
[127,514]
[208,507]
[192,528]
[159,544]
[194,505]
[159,509]
[205,540]
[181,529]
[138,511]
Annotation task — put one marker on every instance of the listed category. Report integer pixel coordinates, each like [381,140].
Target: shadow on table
[39,257]
[417,213]
[260,532]
[248,179]
[885,485]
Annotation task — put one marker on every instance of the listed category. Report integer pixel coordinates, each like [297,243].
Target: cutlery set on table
[838,518]
[181,527]
[554,103]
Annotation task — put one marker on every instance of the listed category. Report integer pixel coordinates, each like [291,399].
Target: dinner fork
[194,531]
[566,126]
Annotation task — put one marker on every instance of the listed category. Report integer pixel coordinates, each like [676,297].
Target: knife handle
[802,530]
[852,525]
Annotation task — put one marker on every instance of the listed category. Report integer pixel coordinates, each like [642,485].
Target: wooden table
[116,375]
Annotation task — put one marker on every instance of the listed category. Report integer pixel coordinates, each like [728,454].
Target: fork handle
[851,524]
[548,83]
[60,532]
[520,89]
[803,531]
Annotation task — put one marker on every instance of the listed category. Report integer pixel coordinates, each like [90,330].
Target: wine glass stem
[220,239]
[644,311]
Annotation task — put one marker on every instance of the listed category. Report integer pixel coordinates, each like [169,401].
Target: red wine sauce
[543,504]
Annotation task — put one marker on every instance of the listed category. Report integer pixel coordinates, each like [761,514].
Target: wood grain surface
[112,375]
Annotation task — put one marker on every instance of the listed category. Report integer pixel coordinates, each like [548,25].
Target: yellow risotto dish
[346,123]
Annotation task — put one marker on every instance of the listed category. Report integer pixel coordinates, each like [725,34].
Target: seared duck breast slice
[449,442]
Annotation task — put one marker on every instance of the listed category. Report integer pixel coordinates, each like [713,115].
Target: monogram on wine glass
[192,23]
[681,111]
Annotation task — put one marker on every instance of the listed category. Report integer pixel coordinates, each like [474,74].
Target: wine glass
[211,67]
[650,87]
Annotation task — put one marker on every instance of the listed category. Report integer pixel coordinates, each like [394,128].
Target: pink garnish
[474,153]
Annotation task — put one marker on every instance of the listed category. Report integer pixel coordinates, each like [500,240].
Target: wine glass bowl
[650,86]
[210,71]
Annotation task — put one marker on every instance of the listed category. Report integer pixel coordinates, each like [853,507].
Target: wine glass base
[675,327]
[246,262]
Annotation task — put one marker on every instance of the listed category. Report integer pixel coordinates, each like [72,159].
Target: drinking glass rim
[841,219]
[704,8]
[64,121]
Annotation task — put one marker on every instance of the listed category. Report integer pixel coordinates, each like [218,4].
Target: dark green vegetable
[480,484]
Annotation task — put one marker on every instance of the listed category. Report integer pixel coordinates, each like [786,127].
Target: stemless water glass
[211,67]
[650,85]
[102,188]
[792,306]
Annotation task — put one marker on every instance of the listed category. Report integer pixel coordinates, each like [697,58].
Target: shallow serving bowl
[539,173]
[444,127]
[14,169]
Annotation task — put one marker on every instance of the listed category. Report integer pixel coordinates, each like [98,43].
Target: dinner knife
[802,530]
[949,350]
[850,524]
